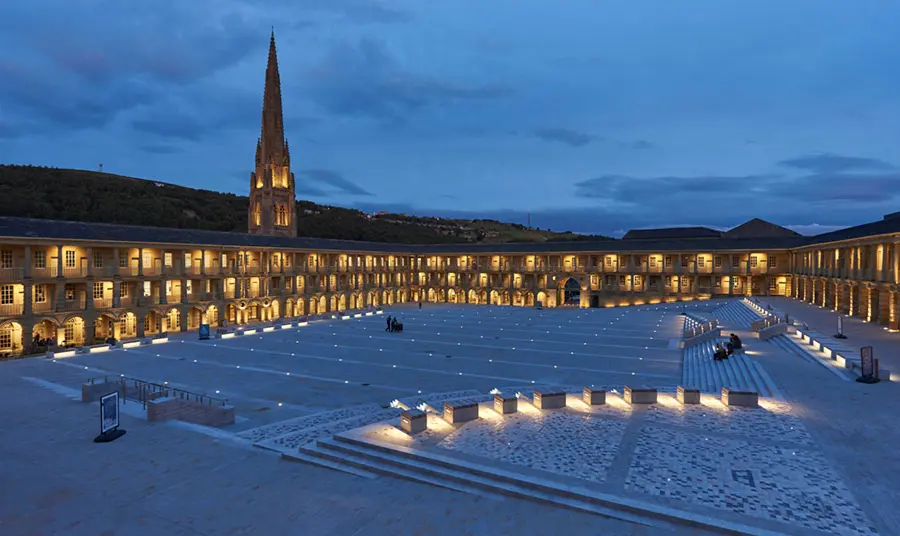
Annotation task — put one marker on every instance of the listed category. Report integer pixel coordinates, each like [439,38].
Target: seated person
[719,354]
[736,341]
[729,348]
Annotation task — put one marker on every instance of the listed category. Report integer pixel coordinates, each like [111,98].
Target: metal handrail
[149,391]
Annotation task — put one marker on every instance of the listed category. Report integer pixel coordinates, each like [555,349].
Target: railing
[42,307]
[12,274]
[103,303]
[75,272]
[144,392]
[12,308]
[71,305]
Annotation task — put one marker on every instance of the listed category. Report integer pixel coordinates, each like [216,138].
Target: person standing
[388,327]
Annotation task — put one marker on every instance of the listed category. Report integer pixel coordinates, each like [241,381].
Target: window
[652,262]
[735,262]
[123,261]
[609,261]
[773,262]
[70,259]
[6,338]
[168,288]
[718,281]
[98,291]
[621,280]
[69,292]
[40,259]
[668,261]
[168,259]
[40,293]
[753,261]
[685,282]
[6,258]
[773,284]
[6,294]
[146,288]
[188,286]
[123,290]
[187,260]
[701,262]
[717,260]
[69,331]
[684,262]
[98,259]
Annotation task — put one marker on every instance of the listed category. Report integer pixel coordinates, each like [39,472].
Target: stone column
[893,313]
[26,272]
[90,264]
[117,295]
[884,307]
[59,261]
[140,262]
[896,266]
[184,296]
[161,292]
[27,304]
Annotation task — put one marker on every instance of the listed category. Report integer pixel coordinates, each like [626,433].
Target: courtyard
[772,468]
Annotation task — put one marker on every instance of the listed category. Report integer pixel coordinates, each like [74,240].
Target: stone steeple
[272,202]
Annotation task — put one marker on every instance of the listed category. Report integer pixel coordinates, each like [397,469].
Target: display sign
[109,412]
[840,328]
[204,332]
[867,361]
[538,305]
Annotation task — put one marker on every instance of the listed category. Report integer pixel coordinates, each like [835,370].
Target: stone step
[438,468]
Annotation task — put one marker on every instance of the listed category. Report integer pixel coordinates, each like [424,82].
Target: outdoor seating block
[455,413]
[640,395]
[413,421]
[742,398]
[594,397]
[505,404]
[549,400]
[687,395]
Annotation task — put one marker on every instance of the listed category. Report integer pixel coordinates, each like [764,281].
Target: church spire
[272,121]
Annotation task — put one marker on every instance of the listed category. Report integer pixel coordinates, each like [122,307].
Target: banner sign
[204,332]
[840,325]
[867,361]
[109,412]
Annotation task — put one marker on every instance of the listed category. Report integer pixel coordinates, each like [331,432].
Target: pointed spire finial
[273,32]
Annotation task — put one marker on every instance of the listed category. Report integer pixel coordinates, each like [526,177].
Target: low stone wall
[163,409]
[773,330]
[710,335]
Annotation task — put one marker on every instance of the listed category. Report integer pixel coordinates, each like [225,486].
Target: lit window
[98,291]
[40,259]
[701,262]
[773,284]
[70,259]
[5,337]
[40,293]
[123,261]
[168,259]
[6,258]
[668,261]
[69,292]
[718,261]
[98,259]
[753,261]
[684,262]
[123,290]
[652,262]
[735,262]
[187,260]
[773,262]
[6,294]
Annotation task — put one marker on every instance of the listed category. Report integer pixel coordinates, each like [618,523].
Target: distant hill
[78,195]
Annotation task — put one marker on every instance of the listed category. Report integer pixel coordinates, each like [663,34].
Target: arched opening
[104,327]
[473,296]
[73,332]
[342,303]
[300,307]
[231,313]
[323,305]
[289,308]
[313,306]
[44,334]
[451,295]
[541,298]
[212,316]
[127,326]
[11,342]
[275,309]
[173,320]
[194,318]
[570,292]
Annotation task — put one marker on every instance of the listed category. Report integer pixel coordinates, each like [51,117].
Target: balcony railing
[16,273]
[77,271]
[42,307]
[71,305]
[103,303]
[7,309]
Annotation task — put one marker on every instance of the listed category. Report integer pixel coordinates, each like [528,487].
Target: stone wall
[190,411]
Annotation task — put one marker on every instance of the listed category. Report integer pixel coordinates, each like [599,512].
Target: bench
[413,421]
[505,404]
[594,397]
[549,400]
[456,413]
[742,398]
[640,395]
[688,395]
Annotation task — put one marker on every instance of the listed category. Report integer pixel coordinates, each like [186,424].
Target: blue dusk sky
[595,116]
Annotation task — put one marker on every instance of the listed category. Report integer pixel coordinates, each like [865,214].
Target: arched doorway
[127,326]
[570,292]
[11,342]
[45,332]
[104,327]
[173,318]
[73,332]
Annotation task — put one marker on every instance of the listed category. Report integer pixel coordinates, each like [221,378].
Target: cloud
[832,163]
[565,136]
[362,79]
[332,180]
[668,189]
[161,149]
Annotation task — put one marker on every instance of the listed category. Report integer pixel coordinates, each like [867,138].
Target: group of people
[393,324]
[39,341]
[733,345]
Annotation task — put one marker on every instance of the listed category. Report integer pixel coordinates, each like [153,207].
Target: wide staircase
[738,371]
[737,314]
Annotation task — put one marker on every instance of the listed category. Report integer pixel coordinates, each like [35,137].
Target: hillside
[78,195]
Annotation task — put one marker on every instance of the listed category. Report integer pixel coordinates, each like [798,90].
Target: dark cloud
[161,149]
[329,11]
[665,190]
[362,79]
[332,180]
[88,63]
[568,137]
[832,163]
[824,187]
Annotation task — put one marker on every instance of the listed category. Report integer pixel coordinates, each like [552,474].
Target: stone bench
[739,397]
[413,421]
[640,395]
[688,395]
[549,400]
[456,413]
[505,404]
[594,397]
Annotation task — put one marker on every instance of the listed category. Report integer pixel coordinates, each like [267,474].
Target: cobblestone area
[792,485]
[277,429]
[579,446]
[773,422]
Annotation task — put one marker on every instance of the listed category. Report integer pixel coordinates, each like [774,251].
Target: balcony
[12,274]
[71,305]
[73,272]
[42,307]
[9,309]
[103,303]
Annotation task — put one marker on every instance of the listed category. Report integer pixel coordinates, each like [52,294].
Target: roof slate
[19,228]
[671,232]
